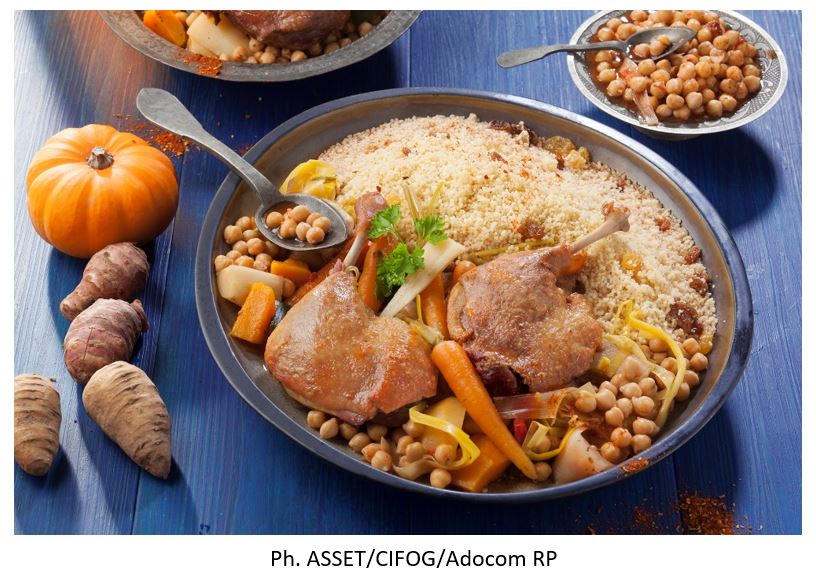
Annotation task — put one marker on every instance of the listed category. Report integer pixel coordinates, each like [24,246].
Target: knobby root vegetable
[125,403]
[454,364]
[104,333]
[37,420]
[118,272]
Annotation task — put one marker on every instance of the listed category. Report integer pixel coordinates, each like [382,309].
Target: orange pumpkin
[93,186]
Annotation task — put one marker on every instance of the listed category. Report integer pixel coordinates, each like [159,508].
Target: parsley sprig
[395,267]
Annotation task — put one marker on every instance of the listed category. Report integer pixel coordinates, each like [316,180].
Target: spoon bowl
[677,37]
[166,111]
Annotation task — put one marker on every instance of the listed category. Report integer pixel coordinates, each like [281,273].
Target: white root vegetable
[195,47]
[235,281]
[437,257]
[125,403]
[37,419]
[222,38]
[578,459]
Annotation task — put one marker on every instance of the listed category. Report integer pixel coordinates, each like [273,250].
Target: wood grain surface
[235,473]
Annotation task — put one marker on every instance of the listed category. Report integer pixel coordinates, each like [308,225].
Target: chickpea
[665,17]
[364,28]
[752,83]
[250,234]
[440,478]
[639,84]
[663,111]
[299,213]
[604,400]
[543,471]
[301,229]
[606,385]
[660,76]
[675,102]
[348,431]
[641,50]
[298,56]
[274,219]
[674,86]
[359,441]
[644,426]
[288,287]
[683,392]
[233,255]
[691,378]
[690,86]
[703,69]
[315,419]
[261,265]
[244,223]
[288,229]
[750,71]
[221,262]
[413,429]
[686,71]
[734,73]
[611,452]
[329,429]
[735,57]
[638,15]
[720,42]
[656,48]
[444,454]
[704,34]
[698,362]
[670,364]
[240,246]
[616,88]
[733,37]
[267,58]
[742,91]
[414,451]
[694,24]
[658,357]
[403,443]
[271,249]
[376,431]
[255,246]
[315,235]
[247,261]
[543,446]
[614,416]
[643,405]
[647,67]
[603,56]
[605,34]
[232,234]
[585,402]
[312,218]
[619,379]
[369,451]
[322,223]
[625,406]
[665,65]
[614,23]
[714,108]
[708,95]
[634,368]
[607,75]
[621,437]
[648,386]
[631,390]
[729,103]
[640,442]
[382,461]
[331,47]
[694,100]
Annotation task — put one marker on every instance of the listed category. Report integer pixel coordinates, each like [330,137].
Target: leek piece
[437,258]
[470,451]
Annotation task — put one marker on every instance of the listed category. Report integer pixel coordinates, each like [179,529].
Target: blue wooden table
[234,473]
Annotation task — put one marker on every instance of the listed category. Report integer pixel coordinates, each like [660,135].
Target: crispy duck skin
[291,29]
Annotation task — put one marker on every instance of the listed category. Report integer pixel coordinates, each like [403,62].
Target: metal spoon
[164,110]
[678,35]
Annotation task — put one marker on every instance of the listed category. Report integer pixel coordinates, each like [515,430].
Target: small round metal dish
[128,25]
[771,62]
[307,134]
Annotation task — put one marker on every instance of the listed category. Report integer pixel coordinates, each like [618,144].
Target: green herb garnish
[430,229]
[396,266]
[384,222]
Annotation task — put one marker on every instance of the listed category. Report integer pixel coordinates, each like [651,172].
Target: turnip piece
[37,419]
[196,47]
[578,459]
[437,258]
[220,39]
[125,403]
[235,281]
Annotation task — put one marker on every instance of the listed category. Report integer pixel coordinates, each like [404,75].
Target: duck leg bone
[616,218]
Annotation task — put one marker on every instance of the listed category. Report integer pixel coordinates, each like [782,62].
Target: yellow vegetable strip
[470,451]
[535,456]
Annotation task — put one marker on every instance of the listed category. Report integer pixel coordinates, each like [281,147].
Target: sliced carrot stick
[434,310]
[453,362]
[461,267]
[320,275]
[367,284]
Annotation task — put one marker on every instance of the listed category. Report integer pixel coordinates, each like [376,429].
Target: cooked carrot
[461,267]
[434,309]
[490,464]
[576,263]
[295,270]
[320,275]
[454,364]
[367,284]
[165,24]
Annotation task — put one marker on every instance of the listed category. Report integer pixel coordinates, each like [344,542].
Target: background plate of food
[264,46]
[732,73]
[508,227]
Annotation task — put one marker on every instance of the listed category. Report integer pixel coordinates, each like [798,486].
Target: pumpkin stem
[100,159]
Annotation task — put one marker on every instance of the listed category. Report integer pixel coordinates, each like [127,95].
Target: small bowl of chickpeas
[731,73]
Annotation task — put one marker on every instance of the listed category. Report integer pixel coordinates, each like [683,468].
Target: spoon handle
[528,54]
[164,110]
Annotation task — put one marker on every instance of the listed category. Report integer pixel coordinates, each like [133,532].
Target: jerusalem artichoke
[105,332]
[126,404]
[37,419]
[118,272]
